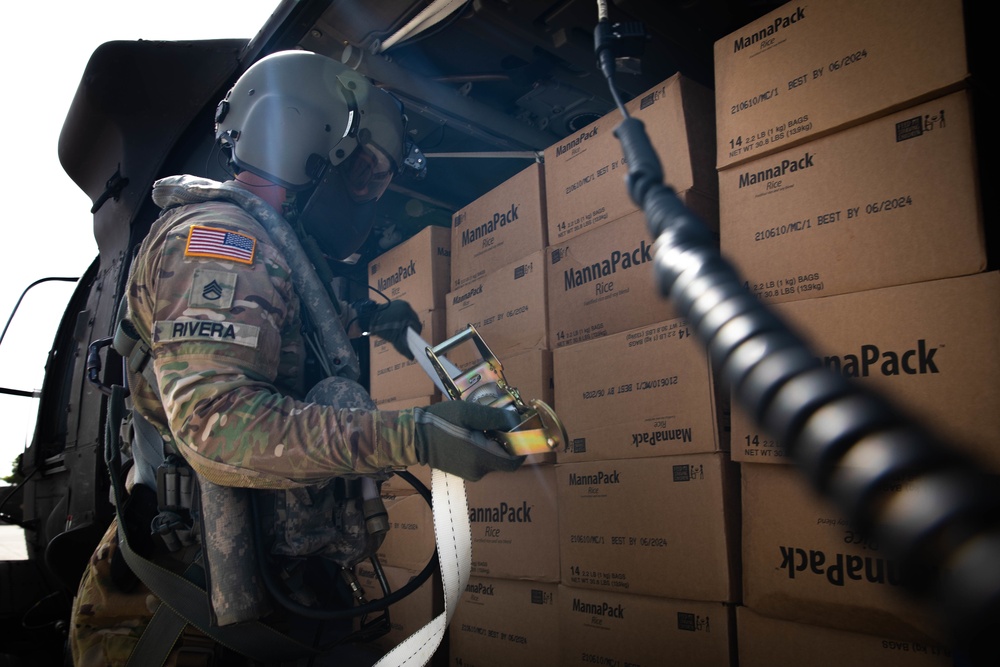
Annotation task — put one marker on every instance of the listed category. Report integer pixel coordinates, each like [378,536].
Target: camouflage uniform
[231,384]
[228,353]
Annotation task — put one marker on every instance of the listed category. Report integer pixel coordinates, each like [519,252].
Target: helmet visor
[368,173]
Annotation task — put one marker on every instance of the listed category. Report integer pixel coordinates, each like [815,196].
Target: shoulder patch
[212,289]
[220,244]
[172,331]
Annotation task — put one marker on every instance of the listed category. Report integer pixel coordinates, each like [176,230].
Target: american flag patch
[220,244]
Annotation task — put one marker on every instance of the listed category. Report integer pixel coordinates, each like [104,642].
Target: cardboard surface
[585,172]
[644,392]
[609,628]
[603,282]
[805,70]
[414,402]
[409,614]
[768,642]
[889,202]
[505,224]
[418,270]
[409,543]
[802,562]
[393,377]
[514,520]
[531,373]
[499,623]
[930,348]
[507,307]
[663,526]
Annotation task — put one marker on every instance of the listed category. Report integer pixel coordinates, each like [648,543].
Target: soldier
[223,307]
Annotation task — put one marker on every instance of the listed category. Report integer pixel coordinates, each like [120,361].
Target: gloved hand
[390,322]
[449,436]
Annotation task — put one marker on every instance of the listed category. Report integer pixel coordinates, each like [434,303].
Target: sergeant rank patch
[212,289]
[220,244]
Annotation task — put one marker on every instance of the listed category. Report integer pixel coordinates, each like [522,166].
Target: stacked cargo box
[849,201]
[507,611]
[498,281]
[845,192]
[417,271]
[648,502]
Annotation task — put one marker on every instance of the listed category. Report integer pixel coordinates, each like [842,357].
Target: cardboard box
[507,307]
[662,526]
[505,224]
[531,373]
[418,270]
[405,403]
[409,614]
[644,392]
[930,348]
[610,628]
[802,562]
[393,377]
[805,70]
[409,543]
[603,282]
[585,173]
[768,642]
[514,521]
[499,623]
[890,202]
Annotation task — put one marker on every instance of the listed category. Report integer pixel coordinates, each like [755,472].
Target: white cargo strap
[453,536]
[452,533]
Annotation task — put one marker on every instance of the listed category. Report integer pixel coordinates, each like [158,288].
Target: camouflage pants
[106,623]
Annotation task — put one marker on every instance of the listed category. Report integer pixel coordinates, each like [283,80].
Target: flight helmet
[316,127]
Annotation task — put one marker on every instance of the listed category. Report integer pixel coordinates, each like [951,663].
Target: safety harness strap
[156,642]
[184,597]
[130,345]
[190,602]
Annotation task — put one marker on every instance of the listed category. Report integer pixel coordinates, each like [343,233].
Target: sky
[44,48]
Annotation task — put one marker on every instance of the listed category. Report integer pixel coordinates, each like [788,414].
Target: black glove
[390,322]
[449,436]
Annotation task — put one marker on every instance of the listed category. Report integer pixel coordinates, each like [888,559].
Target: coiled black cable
[934,510]
[274,586]
[942,526]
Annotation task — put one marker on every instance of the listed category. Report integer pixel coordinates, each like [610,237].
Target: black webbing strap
[134,350]
[160,635]
[186,599]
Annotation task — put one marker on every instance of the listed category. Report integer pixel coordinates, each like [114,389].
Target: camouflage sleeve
[220,329]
